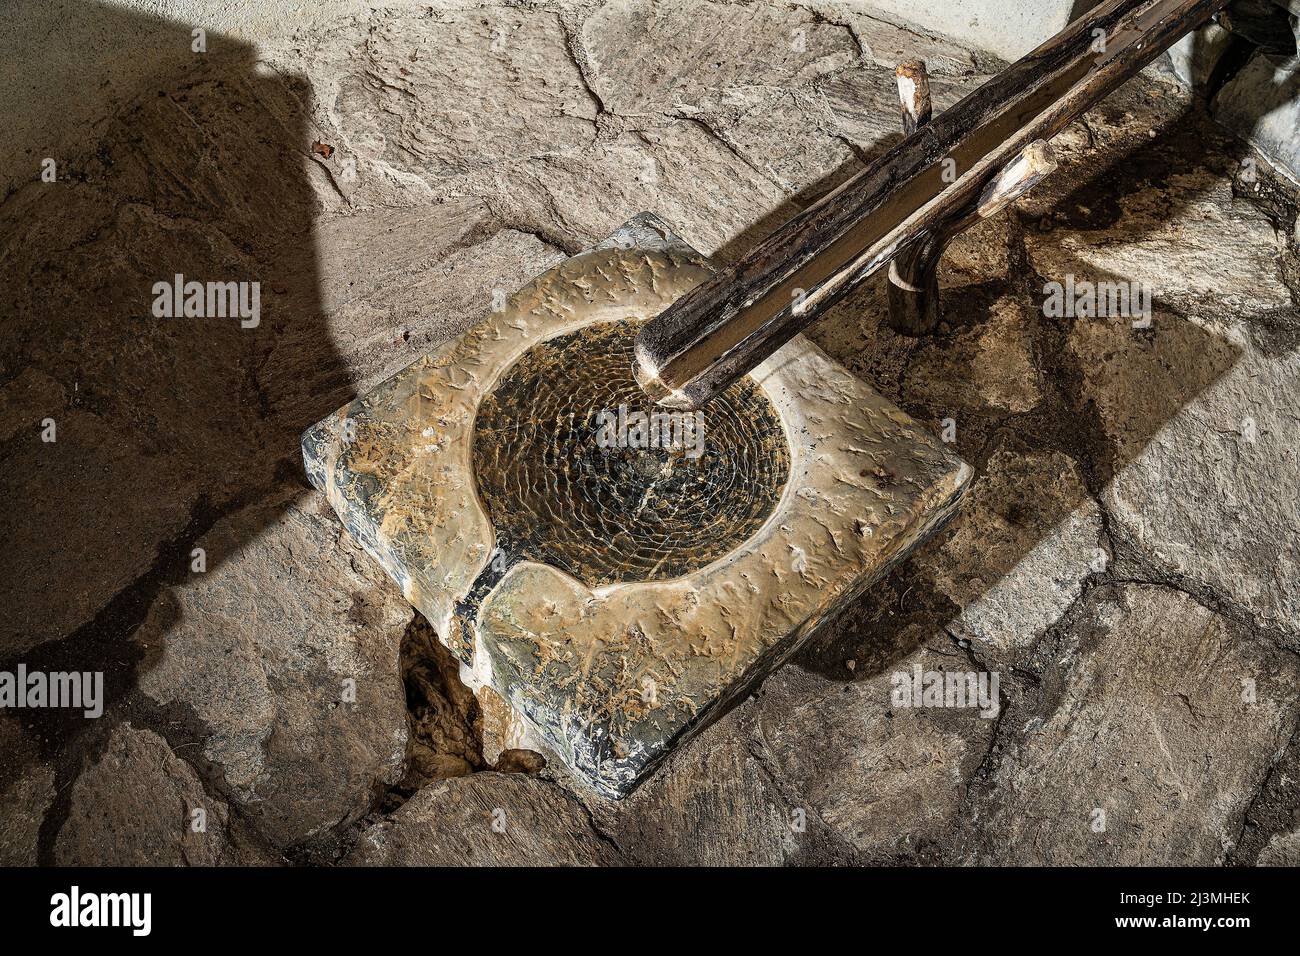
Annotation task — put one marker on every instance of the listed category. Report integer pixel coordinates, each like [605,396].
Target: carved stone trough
[607,600]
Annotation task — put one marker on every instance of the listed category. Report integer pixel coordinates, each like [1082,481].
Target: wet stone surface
[570,478]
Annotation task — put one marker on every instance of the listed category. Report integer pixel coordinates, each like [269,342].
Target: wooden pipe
[728,324]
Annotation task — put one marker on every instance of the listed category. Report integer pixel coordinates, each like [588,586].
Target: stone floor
[1126,563]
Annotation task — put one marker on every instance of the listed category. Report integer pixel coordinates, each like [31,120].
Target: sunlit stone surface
[809,486]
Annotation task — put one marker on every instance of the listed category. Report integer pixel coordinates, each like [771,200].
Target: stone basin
[606,601]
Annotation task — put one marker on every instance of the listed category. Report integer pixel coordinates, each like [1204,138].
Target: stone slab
[486,819]
[291,672]
[608,677]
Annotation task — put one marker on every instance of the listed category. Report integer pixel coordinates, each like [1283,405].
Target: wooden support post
[913,94]
[914,274]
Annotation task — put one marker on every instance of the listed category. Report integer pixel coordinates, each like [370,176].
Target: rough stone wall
[1125,563]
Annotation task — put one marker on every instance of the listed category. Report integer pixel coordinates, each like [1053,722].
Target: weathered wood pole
[730,323]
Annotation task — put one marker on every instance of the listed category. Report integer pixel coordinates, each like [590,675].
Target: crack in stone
[581,61]
[825,17]
[717,137]
[98,645]
[1265,835]
[793,801]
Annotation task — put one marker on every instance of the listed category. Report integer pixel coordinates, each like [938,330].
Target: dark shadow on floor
[162,425]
